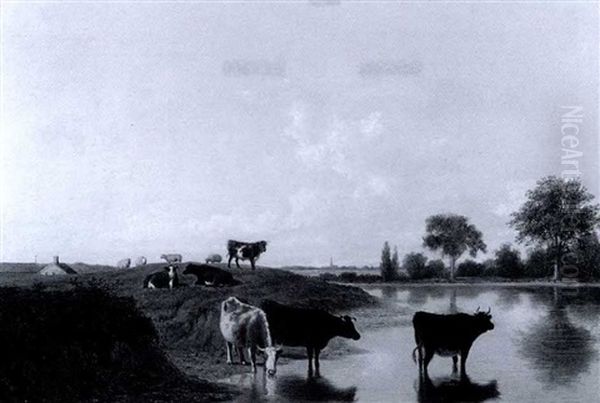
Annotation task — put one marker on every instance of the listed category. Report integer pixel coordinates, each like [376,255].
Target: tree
[538,263]
[435,268]
[452,235]
[415,265]
[587,257]
[508,262]
[469,268]
[395,263]
[389,269]
[556,214]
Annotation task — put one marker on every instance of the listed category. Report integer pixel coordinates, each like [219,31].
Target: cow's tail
[414,354]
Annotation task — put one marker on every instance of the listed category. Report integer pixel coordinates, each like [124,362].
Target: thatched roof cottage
[56,268]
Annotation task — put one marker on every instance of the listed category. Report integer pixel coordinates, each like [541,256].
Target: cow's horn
[489,310]
[262,350]
[477,309]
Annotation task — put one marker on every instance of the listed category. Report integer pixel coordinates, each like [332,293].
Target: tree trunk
[452,266]
[557,262]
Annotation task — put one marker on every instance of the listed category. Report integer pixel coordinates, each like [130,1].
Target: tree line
[558,223]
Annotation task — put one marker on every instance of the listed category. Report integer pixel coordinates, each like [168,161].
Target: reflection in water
[389,293]
[455,390]
[312,389]
[557,349]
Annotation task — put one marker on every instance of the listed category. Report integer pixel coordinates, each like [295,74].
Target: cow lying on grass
[245,326]
[167,278]
[310,328]
[448,336]
[210,276]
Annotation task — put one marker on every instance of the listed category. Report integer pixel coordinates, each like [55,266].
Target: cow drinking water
[244,326]
[246,251]
[310,328]
[448,336]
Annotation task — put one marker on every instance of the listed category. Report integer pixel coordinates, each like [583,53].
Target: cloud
[371,126]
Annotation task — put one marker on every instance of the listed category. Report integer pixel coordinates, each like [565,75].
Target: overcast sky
[139,129]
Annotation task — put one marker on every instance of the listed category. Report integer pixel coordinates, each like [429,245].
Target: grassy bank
[186,319]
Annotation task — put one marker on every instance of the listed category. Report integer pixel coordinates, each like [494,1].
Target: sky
[324,128]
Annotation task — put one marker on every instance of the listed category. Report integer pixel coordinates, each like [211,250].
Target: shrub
[508,262]
[415,264]
[470,268]
[539,264]
[76,345]
[436,268]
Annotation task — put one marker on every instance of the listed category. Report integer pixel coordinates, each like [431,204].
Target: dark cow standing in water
[209,275]
[310,328]
[167,278]
[448,336]
[245,250]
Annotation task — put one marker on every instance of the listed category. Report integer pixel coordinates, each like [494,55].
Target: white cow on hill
[123,263]
[245,327]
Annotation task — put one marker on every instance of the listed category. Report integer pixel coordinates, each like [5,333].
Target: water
[544,348]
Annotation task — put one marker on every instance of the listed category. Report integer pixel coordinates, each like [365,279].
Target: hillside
[186,319]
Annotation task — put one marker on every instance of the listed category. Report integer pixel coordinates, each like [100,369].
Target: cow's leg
[241,353]
[317,365]
[252,263]
[463,361]
[237,263]
[454,364]
[252,354]
[229,262]
[428,356]
[229,347]
[309,352]
[420,358]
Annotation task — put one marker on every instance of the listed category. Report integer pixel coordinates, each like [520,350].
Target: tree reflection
[557,349]
[455,390]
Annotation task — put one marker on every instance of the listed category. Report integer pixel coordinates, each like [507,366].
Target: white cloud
[371,126]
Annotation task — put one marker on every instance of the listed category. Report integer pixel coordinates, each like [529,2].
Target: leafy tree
[587,257]
[469,268]
[395,263]
[538,264]
[389,269]
[435,268]
[508,262]
[452,235]
[415,265]
[556,214]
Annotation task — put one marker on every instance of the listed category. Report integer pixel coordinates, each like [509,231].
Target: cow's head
[171,269]
[271,355]
[230,304]
[347,328]
[262,246]
[484,320]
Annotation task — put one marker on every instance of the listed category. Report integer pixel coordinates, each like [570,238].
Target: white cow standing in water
[245,327]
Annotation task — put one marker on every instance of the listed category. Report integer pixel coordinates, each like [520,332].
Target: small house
[56,268]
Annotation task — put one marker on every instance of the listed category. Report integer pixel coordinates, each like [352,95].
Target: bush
[508,262]
[470,268]
[415,264]
[76,345]
[436,268]
[538,264]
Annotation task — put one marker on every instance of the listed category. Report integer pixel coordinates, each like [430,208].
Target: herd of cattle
[265,329]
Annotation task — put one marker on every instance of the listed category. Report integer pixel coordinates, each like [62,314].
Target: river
[544,348]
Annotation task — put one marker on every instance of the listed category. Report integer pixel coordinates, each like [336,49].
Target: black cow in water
[310,328]
[209,275]
[448,336]
[245,250]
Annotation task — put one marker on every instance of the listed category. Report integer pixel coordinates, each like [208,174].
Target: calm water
[544,348]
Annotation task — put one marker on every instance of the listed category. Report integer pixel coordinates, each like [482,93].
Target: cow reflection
[312,389]
[455,390]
